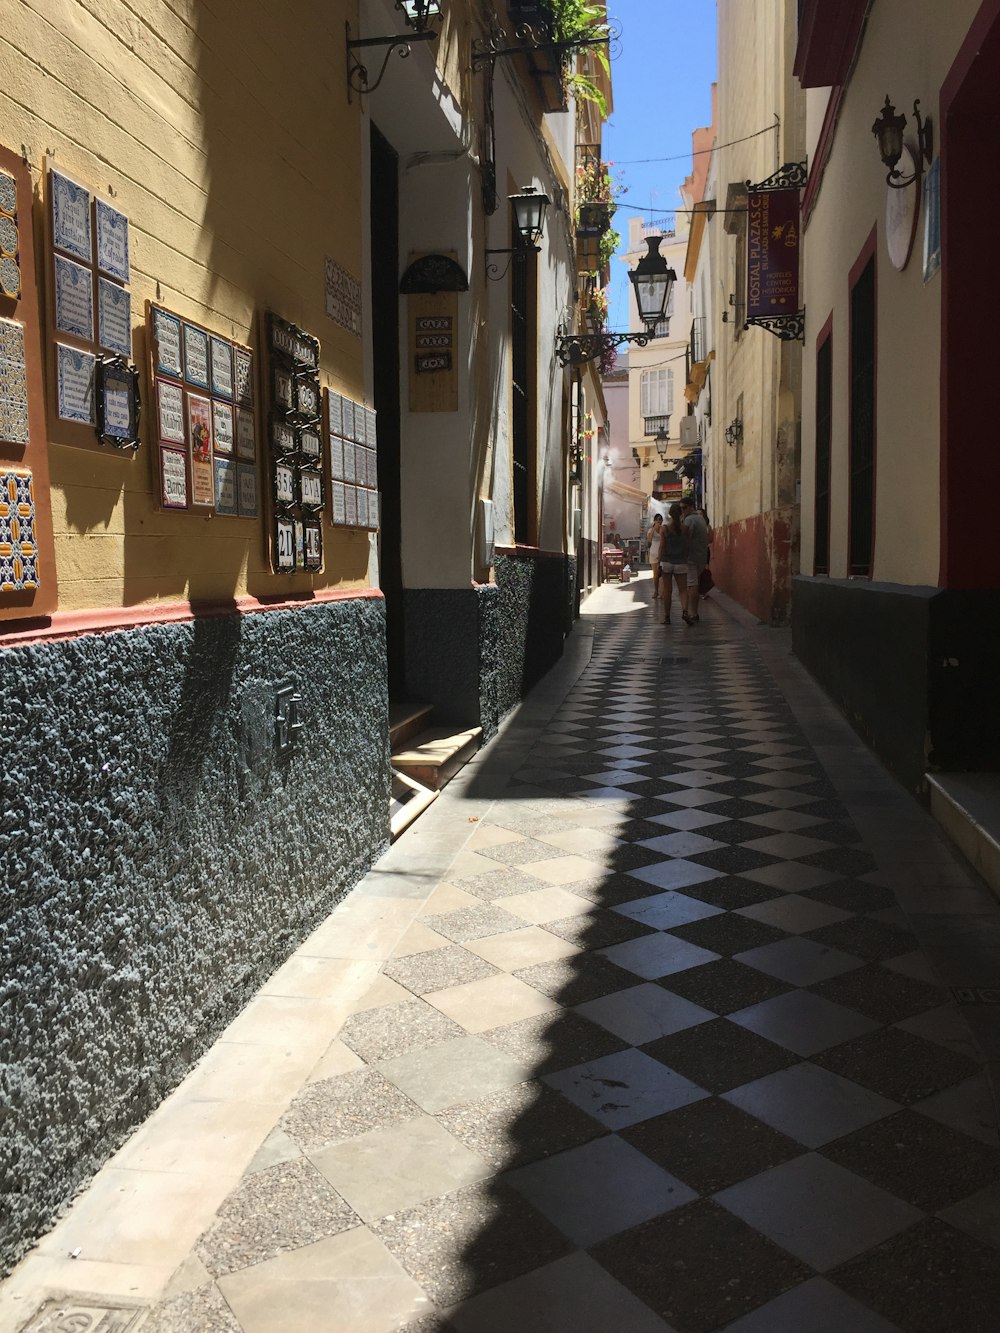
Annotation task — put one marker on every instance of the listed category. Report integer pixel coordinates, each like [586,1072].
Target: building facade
[276,450]
[896,605]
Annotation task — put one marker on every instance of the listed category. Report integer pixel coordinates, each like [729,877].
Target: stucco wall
[158,861]
[237,158]
[908,60]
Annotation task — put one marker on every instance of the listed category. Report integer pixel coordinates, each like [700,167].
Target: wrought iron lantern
[652,279]
[529,220]
[734,431]
[661,442]
[888,131]
[418,13]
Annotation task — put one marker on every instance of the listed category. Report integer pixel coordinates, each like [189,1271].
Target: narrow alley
[589,1043]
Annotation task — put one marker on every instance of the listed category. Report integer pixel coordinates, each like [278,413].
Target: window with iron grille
[698,338]
[824,428]
[862,438]
[656,393]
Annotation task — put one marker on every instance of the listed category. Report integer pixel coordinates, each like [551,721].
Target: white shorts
[667,568]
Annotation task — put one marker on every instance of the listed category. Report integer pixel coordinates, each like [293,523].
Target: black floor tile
[577,979]
[598,929]
[736,808]
[942,1281]
[842,861]
[566,1038]
[711,1144]
[852,895]
[613,888]
[867,939]
[724,986]
[735,831]
[728,933]
[720,1055]
[827,808]
[840,831]
[881,994]
[734,860]
[700,1267]
[898,1065]
[732,892]
[917,1159]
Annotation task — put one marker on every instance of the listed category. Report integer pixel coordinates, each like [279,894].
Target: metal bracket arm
[789,328]
[357,72]
[573,349]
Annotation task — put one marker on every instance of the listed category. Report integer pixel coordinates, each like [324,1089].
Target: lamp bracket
[357,72]
[925,150]
[789,328]
[790,176]
[573,349]
[517,253]
[525,38]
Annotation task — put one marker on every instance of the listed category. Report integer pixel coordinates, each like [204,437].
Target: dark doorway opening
[385,355]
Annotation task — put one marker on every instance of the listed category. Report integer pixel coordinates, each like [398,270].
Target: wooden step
[406,720]
[437,754]
[967,806]
[408,801]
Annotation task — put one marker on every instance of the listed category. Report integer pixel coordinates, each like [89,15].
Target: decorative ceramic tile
[225,486]
[70,217]
[223,427]
[246,433]
[334,412]
[310,445]
[246,478]
[18,551]
[114,317]
[284,545]
[173,477]
[343,297]
[310,489]
[8,236]
[75,384]
[112,241]
[243,384]
[196,356]
[284,485]
[350,506]
[282,438]
[13,384]
[10,277]
[222,367]
[167,337]
[74,298]
[338,503]
[314,545]
[8,194]
[336,457]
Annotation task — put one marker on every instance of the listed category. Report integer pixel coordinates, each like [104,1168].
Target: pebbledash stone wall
[159,861]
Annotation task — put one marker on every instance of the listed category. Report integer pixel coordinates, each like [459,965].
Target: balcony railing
[698,343]
[654,425]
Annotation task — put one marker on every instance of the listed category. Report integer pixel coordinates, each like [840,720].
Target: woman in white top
[655,544]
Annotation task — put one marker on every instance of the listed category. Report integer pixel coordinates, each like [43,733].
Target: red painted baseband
[753,562]
[74,624]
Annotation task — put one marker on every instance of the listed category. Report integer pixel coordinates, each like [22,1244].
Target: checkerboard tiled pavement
[661,1052]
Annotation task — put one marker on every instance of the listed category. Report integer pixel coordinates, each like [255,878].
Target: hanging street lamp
[652,280]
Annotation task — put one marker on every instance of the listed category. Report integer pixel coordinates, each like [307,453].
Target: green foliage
[609,243]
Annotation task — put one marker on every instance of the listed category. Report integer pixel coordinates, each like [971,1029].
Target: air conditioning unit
[690,434]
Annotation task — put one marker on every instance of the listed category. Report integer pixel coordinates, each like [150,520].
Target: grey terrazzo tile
[470,1240]
[393,1029]
[554,1041]
[506,882]
[437,969]
[203,1310]
[518,1125]
[595,929]
[338,1108]
[283,1208]
[472,923]
[518,853]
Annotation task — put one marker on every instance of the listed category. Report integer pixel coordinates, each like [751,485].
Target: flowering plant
[595,184]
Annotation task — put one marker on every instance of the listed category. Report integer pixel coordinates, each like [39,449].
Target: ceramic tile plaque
[343,297]
[71,217]
[195,356]
[18,546]
[74,296]
[351,506]
[200,443]
[243,377]
[114,317]
[13,383]
[246,433]
[294,426]
[170,412]
[314,545]
[167,344]
[246,485]
[338,503]
[347,424]
[222,368]
[225,486]
[337,457]
[334,413]
[350,460]
[75,385]
[223,427]
[112,240]
[362,503]
[173,478]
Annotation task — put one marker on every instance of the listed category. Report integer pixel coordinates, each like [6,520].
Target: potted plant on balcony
[596,192]
[597,309]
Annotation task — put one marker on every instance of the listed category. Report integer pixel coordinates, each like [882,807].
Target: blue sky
[662,81]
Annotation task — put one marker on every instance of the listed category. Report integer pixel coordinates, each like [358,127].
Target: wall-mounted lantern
[652,280]
[888,131]
[529,220]
[734,431]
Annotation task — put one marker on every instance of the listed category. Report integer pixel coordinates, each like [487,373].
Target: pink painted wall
[753,562]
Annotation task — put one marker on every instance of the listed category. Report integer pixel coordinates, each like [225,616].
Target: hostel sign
[773,236]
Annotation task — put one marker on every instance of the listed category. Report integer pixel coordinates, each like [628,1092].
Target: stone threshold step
[967,806]
[406,720]
[437,754]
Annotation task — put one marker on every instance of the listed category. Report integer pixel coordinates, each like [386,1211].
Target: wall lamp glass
[734,431]
[418,13]
[529,220]
[888,131]
[661,442]
[652,280]
[358,79]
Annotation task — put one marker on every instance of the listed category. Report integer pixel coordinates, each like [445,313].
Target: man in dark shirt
[699,535]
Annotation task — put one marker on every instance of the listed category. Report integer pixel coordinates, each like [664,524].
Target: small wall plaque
[118,404]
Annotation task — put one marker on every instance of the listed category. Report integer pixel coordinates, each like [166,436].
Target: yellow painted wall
[907,60]
[223,130]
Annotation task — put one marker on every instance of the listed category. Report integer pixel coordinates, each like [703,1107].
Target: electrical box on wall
[690,433]
[486,531]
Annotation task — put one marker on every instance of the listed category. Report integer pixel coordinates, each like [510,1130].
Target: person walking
[698,533]
[673,562]
[653,552]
